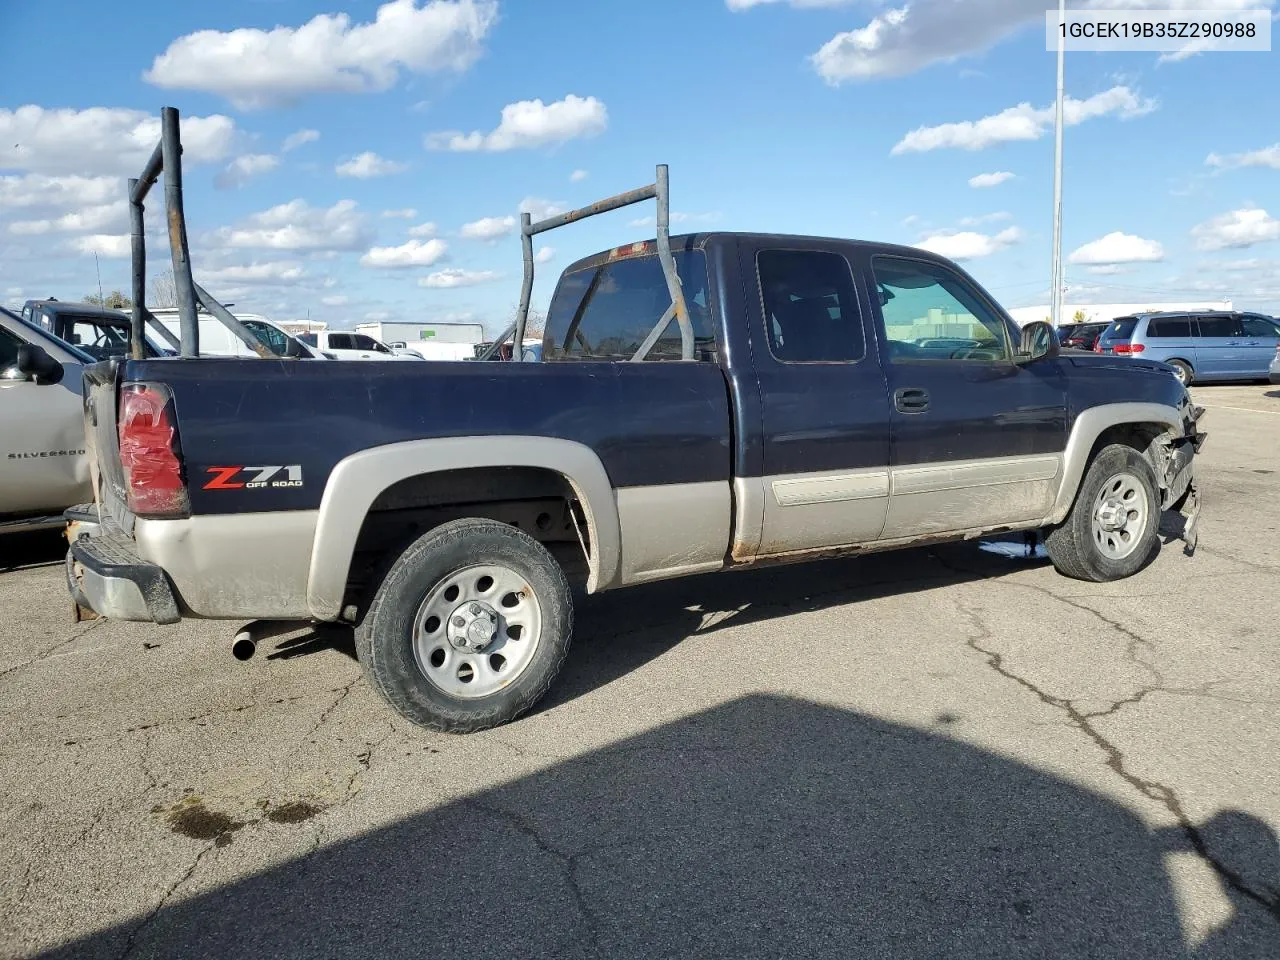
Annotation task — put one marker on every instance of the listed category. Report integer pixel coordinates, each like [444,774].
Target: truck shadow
[40,548]
[764,827]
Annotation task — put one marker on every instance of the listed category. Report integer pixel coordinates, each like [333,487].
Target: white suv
[344,345]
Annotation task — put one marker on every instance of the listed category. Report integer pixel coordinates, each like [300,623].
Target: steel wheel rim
[1120,513]
[468,673]
[1180,373]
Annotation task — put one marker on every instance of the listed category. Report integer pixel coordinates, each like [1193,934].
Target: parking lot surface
[950,752]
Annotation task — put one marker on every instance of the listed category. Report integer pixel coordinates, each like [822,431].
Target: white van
[217,341]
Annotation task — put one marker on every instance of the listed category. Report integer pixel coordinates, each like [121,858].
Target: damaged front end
[1173,456]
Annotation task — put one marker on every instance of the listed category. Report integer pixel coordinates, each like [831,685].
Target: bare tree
[164,290]
[115,300]
[535,323]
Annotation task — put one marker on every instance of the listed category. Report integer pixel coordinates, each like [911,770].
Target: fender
[357,481]
[1088,426]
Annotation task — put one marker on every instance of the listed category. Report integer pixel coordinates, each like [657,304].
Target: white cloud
[531,123]
[1108,269]
[737,6]
[244,168]
[413,253]
[968,245]
[337,300]
[405,213]
[990,179]
[578,176]
[996,217]
[297,225]
[1266,157]
[1239,228]
[268,272]
[377,316]
[540,209]
[1117,247]
[102,140]
[1023,122]
[104,245]
[450,279]
[256,68]
[368,165]
[424,230]
[488,228]
[39,190]
[544,255]
[294,140]
[677,217]
[92,219]
[903,39]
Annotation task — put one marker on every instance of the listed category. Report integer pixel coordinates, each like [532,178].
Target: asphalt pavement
[952,752]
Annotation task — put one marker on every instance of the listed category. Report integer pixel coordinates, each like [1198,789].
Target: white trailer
[434,341]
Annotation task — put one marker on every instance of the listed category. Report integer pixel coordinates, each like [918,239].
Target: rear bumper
[107,576]
[1274,375]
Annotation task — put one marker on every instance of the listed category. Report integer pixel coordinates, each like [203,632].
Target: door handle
[911,400]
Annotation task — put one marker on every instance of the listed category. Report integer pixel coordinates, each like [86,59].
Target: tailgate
[101,389]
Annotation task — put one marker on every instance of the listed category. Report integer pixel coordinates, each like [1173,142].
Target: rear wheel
[1111,529]
[1181,370]
[469,627]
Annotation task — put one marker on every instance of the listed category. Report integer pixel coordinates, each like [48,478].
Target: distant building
[1099,312]
[302,326]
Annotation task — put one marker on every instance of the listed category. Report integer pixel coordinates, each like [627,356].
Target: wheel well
[1186,363]
[1141,436]
[540,502]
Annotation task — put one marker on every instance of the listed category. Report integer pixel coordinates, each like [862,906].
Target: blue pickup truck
[702,403]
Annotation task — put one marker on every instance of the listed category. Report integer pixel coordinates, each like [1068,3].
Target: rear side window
[340,341]
[1123,328]
[1169,328]
[810,308]
[1220,327]
[606,312]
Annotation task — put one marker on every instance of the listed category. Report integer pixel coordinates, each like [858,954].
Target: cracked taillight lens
[150,452]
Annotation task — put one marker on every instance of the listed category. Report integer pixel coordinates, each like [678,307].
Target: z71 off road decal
[253,478]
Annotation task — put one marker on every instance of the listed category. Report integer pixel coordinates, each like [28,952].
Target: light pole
[1055,308]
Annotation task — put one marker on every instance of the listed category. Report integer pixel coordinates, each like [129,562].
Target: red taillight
[149,452]
[1129,348]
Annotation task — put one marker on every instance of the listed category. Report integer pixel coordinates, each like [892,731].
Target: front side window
[9,344]
[606,312]
[1220,327]
[1258,327]
[932,314]
[273,338]
[363,342]
[1169,328]
[810,309]
[340,341]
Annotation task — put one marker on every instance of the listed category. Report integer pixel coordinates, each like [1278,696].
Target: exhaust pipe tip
[244,647]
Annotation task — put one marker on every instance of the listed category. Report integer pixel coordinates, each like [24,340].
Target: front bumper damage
[1175,461]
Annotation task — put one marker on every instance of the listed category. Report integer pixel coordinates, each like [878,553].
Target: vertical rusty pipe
[526,289]
[138,243]
[669,264]
[171,146]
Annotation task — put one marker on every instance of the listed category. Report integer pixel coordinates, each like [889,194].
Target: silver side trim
[748,517]
[960,475]
[232,566]
[1088,426]
[358,480]
[673,530]
[862,485]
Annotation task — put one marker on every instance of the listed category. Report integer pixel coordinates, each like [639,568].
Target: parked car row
[1200,346]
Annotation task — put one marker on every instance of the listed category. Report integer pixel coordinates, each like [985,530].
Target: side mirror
[1038,341]
[36,363]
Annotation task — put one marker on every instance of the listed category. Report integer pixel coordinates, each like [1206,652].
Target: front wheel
[1111,530]
[469,627]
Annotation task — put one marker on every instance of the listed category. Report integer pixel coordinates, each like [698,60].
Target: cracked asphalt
[943,753]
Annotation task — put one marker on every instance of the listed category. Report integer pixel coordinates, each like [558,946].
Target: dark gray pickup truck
[703,403]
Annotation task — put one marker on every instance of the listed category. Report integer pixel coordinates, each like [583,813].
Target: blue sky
[371,164]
